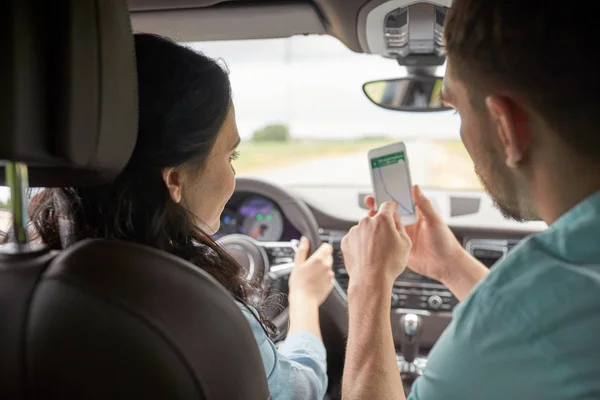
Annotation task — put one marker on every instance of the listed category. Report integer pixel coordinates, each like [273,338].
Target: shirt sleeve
[298,370]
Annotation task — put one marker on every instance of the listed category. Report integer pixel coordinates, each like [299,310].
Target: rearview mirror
[419,93]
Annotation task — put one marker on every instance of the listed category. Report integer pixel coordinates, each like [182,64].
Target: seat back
[102,319]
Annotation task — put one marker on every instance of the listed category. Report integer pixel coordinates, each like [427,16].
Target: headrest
[68,95]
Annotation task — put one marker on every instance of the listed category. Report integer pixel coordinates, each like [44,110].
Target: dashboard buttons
[415,296]
[283,251]
[395,299]
[280,254]
[435,302]
[415,299]
[283,260]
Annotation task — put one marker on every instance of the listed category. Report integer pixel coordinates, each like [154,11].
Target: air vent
[361,200]
[489,251]
[464,206]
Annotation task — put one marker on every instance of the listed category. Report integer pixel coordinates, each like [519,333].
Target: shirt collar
[586,209]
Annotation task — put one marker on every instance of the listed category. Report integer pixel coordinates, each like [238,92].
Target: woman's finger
[324,252]
[302,252]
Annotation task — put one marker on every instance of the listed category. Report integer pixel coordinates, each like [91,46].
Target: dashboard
[275,216]
[258,211]
[416,293]
[256,216]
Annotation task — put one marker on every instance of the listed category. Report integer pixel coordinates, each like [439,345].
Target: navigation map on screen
[391,181]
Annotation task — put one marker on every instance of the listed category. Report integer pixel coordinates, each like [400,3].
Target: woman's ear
[173,179]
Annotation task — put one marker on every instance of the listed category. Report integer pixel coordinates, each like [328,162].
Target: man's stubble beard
[501,185]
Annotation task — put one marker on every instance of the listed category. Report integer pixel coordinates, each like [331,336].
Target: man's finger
[389,208]
[424,204]
[302,252]
[386,212]
[399,226]
[370,203]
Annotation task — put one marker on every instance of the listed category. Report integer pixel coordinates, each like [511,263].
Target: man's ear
[510,122]
[173,179]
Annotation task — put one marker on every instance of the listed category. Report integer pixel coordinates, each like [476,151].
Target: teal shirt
[531,329]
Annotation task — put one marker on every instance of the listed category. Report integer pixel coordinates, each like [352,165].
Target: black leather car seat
[102,319]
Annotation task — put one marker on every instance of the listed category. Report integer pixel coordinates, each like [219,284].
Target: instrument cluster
[258,217]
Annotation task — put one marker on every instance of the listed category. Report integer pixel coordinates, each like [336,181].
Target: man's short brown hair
[540,49]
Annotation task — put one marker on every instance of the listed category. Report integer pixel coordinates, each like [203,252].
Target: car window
[4,213]
[304,118]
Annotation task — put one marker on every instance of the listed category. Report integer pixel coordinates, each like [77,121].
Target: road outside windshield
[304,119]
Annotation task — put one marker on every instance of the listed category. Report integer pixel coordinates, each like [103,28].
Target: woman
[171,194]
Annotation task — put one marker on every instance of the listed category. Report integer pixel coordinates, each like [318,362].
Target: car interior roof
[201,20]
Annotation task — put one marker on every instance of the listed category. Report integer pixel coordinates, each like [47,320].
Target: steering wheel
[267,262]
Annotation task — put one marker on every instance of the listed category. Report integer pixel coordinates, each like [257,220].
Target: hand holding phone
[391,180]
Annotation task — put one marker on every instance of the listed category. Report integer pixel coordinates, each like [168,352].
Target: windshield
[304,118]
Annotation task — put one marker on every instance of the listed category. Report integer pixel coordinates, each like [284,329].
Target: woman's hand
[310,283]
[312,278]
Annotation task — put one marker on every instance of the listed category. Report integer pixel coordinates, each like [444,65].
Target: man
[520,76]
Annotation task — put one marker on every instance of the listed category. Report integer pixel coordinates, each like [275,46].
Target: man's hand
[375,253]
[436,253]
[377,249]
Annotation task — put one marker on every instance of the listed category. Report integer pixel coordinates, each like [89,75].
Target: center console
[417,292]
[411,292]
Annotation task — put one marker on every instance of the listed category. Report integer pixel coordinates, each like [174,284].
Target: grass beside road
[259,156]
[448,163]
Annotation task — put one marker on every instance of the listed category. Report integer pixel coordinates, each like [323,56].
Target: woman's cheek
[230,179]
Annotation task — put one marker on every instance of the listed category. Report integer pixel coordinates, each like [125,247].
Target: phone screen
[392,182]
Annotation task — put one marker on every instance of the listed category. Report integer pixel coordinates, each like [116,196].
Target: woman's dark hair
[184,99]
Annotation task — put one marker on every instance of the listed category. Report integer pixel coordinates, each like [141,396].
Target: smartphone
[390,176]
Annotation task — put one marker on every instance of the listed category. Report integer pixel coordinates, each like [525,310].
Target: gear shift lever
[411,337]
[411,328]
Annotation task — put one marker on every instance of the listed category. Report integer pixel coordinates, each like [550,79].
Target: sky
[317,92]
